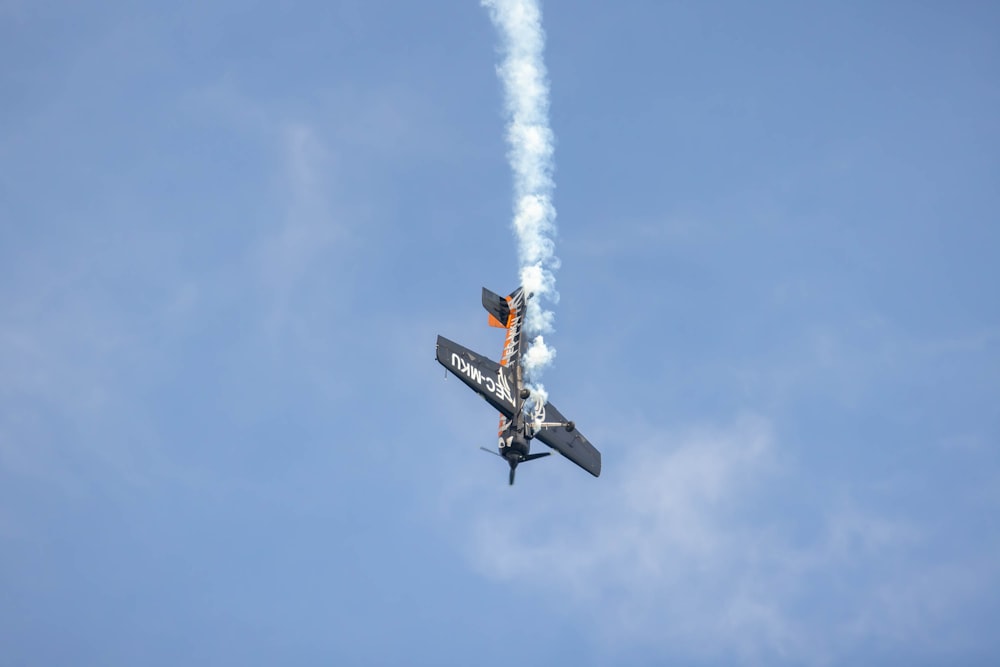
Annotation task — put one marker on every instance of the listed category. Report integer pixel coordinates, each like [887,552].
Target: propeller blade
[511,480]
[490,451]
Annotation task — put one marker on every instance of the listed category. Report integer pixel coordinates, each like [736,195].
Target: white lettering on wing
[466,368]
[500,387]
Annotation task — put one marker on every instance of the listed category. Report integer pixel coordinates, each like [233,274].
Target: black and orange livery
[501,384]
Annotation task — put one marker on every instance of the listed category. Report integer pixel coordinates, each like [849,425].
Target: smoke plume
[526,93]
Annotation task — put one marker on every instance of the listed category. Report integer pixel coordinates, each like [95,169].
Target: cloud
[308,229]
[699,544]
[72,357]
[118,302]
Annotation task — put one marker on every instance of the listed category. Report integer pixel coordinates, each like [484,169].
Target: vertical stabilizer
[507,313]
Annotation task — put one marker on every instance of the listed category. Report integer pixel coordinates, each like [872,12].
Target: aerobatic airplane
[502,386]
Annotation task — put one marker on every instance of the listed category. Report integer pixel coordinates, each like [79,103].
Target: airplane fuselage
[514,444]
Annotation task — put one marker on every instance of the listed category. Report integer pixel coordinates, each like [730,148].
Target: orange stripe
[510,321]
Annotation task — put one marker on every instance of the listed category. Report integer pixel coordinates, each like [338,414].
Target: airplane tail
[497,307]
[507,313]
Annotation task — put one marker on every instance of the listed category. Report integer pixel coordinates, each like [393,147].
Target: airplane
[502,386]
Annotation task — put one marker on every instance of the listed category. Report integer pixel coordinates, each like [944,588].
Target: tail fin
[507,313]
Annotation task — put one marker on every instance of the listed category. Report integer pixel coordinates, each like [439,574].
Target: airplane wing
[571,444]
[484,376]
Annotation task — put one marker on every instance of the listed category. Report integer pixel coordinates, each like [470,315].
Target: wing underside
[483,375]
[571,444]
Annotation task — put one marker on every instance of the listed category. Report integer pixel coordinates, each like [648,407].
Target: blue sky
[230,233]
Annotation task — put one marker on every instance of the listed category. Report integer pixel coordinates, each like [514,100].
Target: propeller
[513,462]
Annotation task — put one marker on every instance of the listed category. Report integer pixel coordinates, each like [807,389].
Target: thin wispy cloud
[687,546]
[308,228]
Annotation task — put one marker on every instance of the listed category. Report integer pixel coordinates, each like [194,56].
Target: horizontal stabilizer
[497,307]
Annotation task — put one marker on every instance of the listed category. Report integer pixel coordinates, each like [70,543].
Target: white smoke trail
[531,144]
